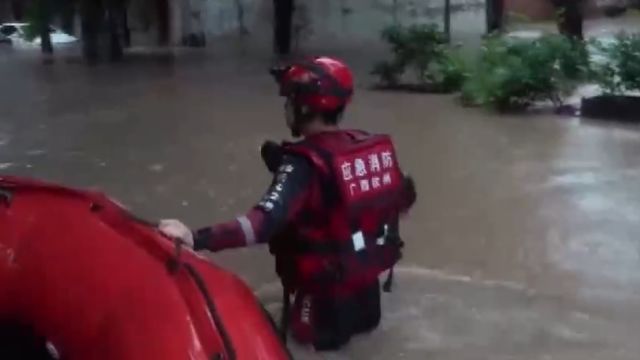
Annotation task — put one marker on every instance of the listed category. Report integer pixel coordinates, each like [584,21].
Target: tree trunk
[447,19]
[45,43]
[44,23]
[162,7]
[495,15]
[570,18]
[91,13]
[283,19]
[115,46]
[126,38]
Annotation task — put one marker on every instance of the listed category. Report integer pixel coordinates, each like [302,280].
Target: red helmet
[322,85]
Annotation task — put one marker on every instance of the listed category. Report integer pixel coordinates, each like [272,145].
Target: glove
[272,154]
[278,72]
[409,193]
[175,229]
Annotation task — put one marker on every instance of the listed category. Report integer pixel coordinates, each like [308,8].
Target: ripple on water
[4,139]
[433,314]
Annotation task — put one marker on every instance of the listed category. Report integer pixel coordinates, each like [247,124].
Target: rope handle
[175,263]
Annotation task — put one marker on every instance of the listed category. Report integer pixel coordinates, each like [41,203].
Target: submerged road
[524,243]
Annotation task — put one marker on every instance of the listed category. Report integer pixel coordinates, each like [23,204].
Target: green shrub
[619,69]
[421,55]
[513,74]
[449,70]
[36,19]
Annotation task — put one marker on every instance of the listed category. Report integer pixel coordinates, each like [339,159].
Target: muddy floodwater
[524,243]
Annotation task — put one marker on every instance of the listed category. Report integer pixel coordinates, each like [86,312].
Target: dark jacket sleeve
[279,206]
[408,194]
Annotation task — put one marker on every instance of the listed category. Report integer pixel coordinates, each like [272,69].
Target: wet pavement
[523,244]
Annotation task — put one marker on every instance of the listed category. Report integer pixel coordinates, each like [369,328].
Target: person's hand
[271,153]
[175,229]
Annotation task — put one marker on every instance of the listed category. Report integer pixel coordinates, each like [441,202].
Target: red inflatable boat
[79,271]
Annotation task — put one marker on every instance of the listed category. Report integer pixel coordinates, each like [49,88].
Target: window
[8,30]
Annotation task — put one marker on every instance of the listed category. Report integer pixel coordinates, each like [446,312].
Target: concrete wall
[532,9]
[362,20]
[544,10]
[330,20]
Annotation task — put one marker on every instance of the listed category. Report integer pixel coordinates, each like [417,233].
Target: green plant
[31,32]
[449,70]
[423,52]
[512,74]
[36,19]
[618,71]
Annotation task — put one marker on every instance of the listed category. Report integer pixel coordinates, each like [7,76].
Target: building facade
[326,20]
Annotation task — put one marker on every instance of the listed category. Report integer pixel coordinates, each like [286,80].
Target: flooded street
[524,243]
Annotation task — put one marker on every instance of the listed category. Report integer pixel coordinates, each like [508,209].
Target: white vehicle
[15,33]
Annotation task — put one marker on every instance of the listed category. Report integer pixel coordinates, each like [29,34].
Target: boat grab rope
[174,265]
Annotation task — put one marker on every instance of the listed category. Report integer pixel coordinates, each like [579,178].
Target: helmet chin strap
[297,117]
